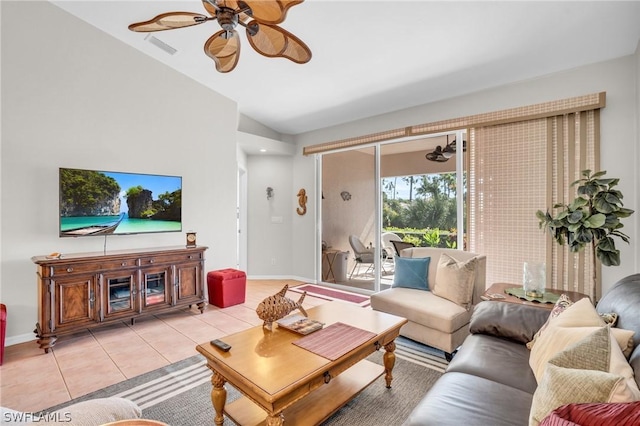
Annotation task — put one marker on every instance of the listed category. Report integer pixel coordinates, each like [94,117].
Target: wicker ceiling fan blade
[169,21]
[297,50]
[224,48]
[269,11]
[209,7]
[273,41]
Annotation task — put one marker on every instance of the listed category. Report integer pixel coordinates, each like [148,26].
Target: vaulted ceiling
[372,56]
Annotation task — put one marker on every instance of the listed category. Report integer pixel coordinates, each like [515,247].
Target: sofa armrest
[507,320]
[91,412]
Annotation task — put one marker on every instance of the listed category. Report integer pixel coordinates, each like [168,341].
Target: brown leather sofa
[489,381]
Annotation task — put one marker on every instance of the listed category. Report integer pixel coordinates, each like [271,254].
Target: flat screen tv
[94,202]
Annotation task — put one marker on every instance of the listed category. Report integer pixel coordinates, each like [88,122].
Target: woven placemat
[519,293]
[335,340]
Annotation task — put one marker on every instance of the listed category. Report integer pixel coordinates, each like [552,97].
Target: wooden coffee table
[499,288]
[280,380]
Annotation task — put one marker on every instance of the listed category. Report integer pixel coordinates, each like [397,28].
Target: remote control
[224,347]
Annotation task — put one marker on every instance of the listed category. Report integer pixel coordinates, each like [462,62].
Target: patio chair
[401,245]
[386,239]
[363,255]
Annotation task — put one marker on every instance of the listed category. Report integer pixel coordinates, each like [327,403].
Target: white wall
[270,220]
[619,131]
[73,96]
[351,171]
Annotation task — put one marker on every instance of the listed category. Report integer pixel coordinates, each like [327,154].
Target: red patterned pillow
[600,414]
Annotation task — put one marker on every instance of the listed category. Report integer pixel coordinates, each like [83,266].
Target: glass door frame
[461,225]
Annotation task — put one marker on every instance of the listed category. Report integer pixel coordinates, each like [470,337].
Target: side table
[329,256]
[499,288]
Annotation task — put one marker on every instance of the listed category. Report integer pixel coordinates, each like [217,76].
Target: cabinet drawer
[72,268]
[172,258]
[118,264]
[78,268]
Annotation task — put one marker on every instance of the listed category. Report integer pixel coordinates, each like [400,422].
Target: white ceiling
[375,56]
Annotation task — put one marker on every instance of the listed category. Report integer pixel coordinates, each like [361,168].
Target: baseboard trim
[281,277]
[22,338]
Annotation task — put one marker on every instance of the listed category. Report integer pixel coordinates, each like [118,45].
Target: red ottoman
[3,329]
[226,287]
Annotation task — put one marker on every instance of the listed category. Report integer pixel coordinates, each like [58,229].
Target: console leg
[45,343]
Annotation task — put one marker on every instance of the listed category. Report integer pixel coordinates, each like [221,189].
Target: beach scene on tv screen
[100,203]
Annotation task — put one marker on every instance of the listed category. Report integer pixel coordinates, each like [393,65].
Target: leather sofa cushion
[623,298]
[515,322]
[461,399]
[497,360]
[422,307]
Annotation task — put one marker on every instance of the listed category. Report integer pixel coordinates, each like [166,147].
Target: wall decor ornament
[345,195]
[302,201]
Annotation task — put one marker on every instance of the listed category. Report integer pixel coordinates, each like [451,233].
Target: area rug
[180,394]
[327,293]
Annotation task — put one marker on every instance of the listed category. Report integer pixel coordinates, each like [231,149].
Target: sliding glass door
[394,191]
[349,223]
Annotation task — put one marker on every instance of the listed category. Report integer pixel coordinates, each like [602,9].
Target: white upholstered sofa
[434,320]
[93,412]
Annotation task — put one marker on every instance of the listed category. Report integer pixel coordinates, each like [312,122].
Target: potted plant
[592,219]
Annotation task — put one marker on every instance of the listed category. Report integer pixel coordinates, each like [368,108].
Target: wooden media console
[86,290]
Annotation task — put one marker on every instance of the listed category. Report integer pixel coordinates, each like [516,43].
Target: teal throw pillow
[411,272]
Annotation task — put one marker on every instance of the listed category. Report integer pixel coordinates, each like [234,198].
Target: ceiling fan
[441,155]
[263,33]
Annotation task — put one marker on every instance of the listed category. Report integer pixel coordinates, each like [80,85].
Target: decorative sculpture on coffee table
[278,306]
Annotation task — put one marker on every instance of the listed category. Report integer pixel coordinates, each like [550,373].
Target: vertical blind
[507,172]
[516,169]
[520,160]
[572,146]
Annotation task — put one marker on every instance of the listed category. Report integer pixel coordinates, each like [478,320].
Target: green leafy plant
[592,219]
[432,237]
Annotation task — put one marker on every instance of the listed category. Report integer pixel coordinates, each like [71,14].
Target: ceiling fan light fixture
[449,149]
[437,155]
[267,38]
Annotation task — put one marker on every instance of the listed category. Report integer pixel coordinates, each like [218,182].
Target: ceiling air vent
[160,44]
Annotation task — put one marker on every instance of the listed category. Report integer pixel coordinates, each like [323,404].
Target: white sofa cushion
[422,307]
[86,413]
[480,271]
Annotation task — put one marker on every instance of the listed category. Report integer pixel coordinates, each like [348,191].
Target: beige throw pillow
[560,306]
[454,280]
[569,314]
[556,339]
[586,372]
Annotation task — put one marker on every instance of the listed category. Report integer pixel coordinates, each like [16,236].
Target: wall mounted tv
[94,202]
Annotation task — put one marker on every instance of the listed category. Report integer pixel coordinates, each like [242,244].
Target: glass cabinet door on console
[155,287]
[119,294]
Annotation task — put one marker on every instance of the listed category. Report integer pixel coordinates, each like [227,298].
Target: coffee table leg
[218,396]
[389,359]
[275,420]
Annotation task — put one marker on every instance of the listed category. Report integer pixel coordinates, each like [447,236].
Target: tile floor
[31,380]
